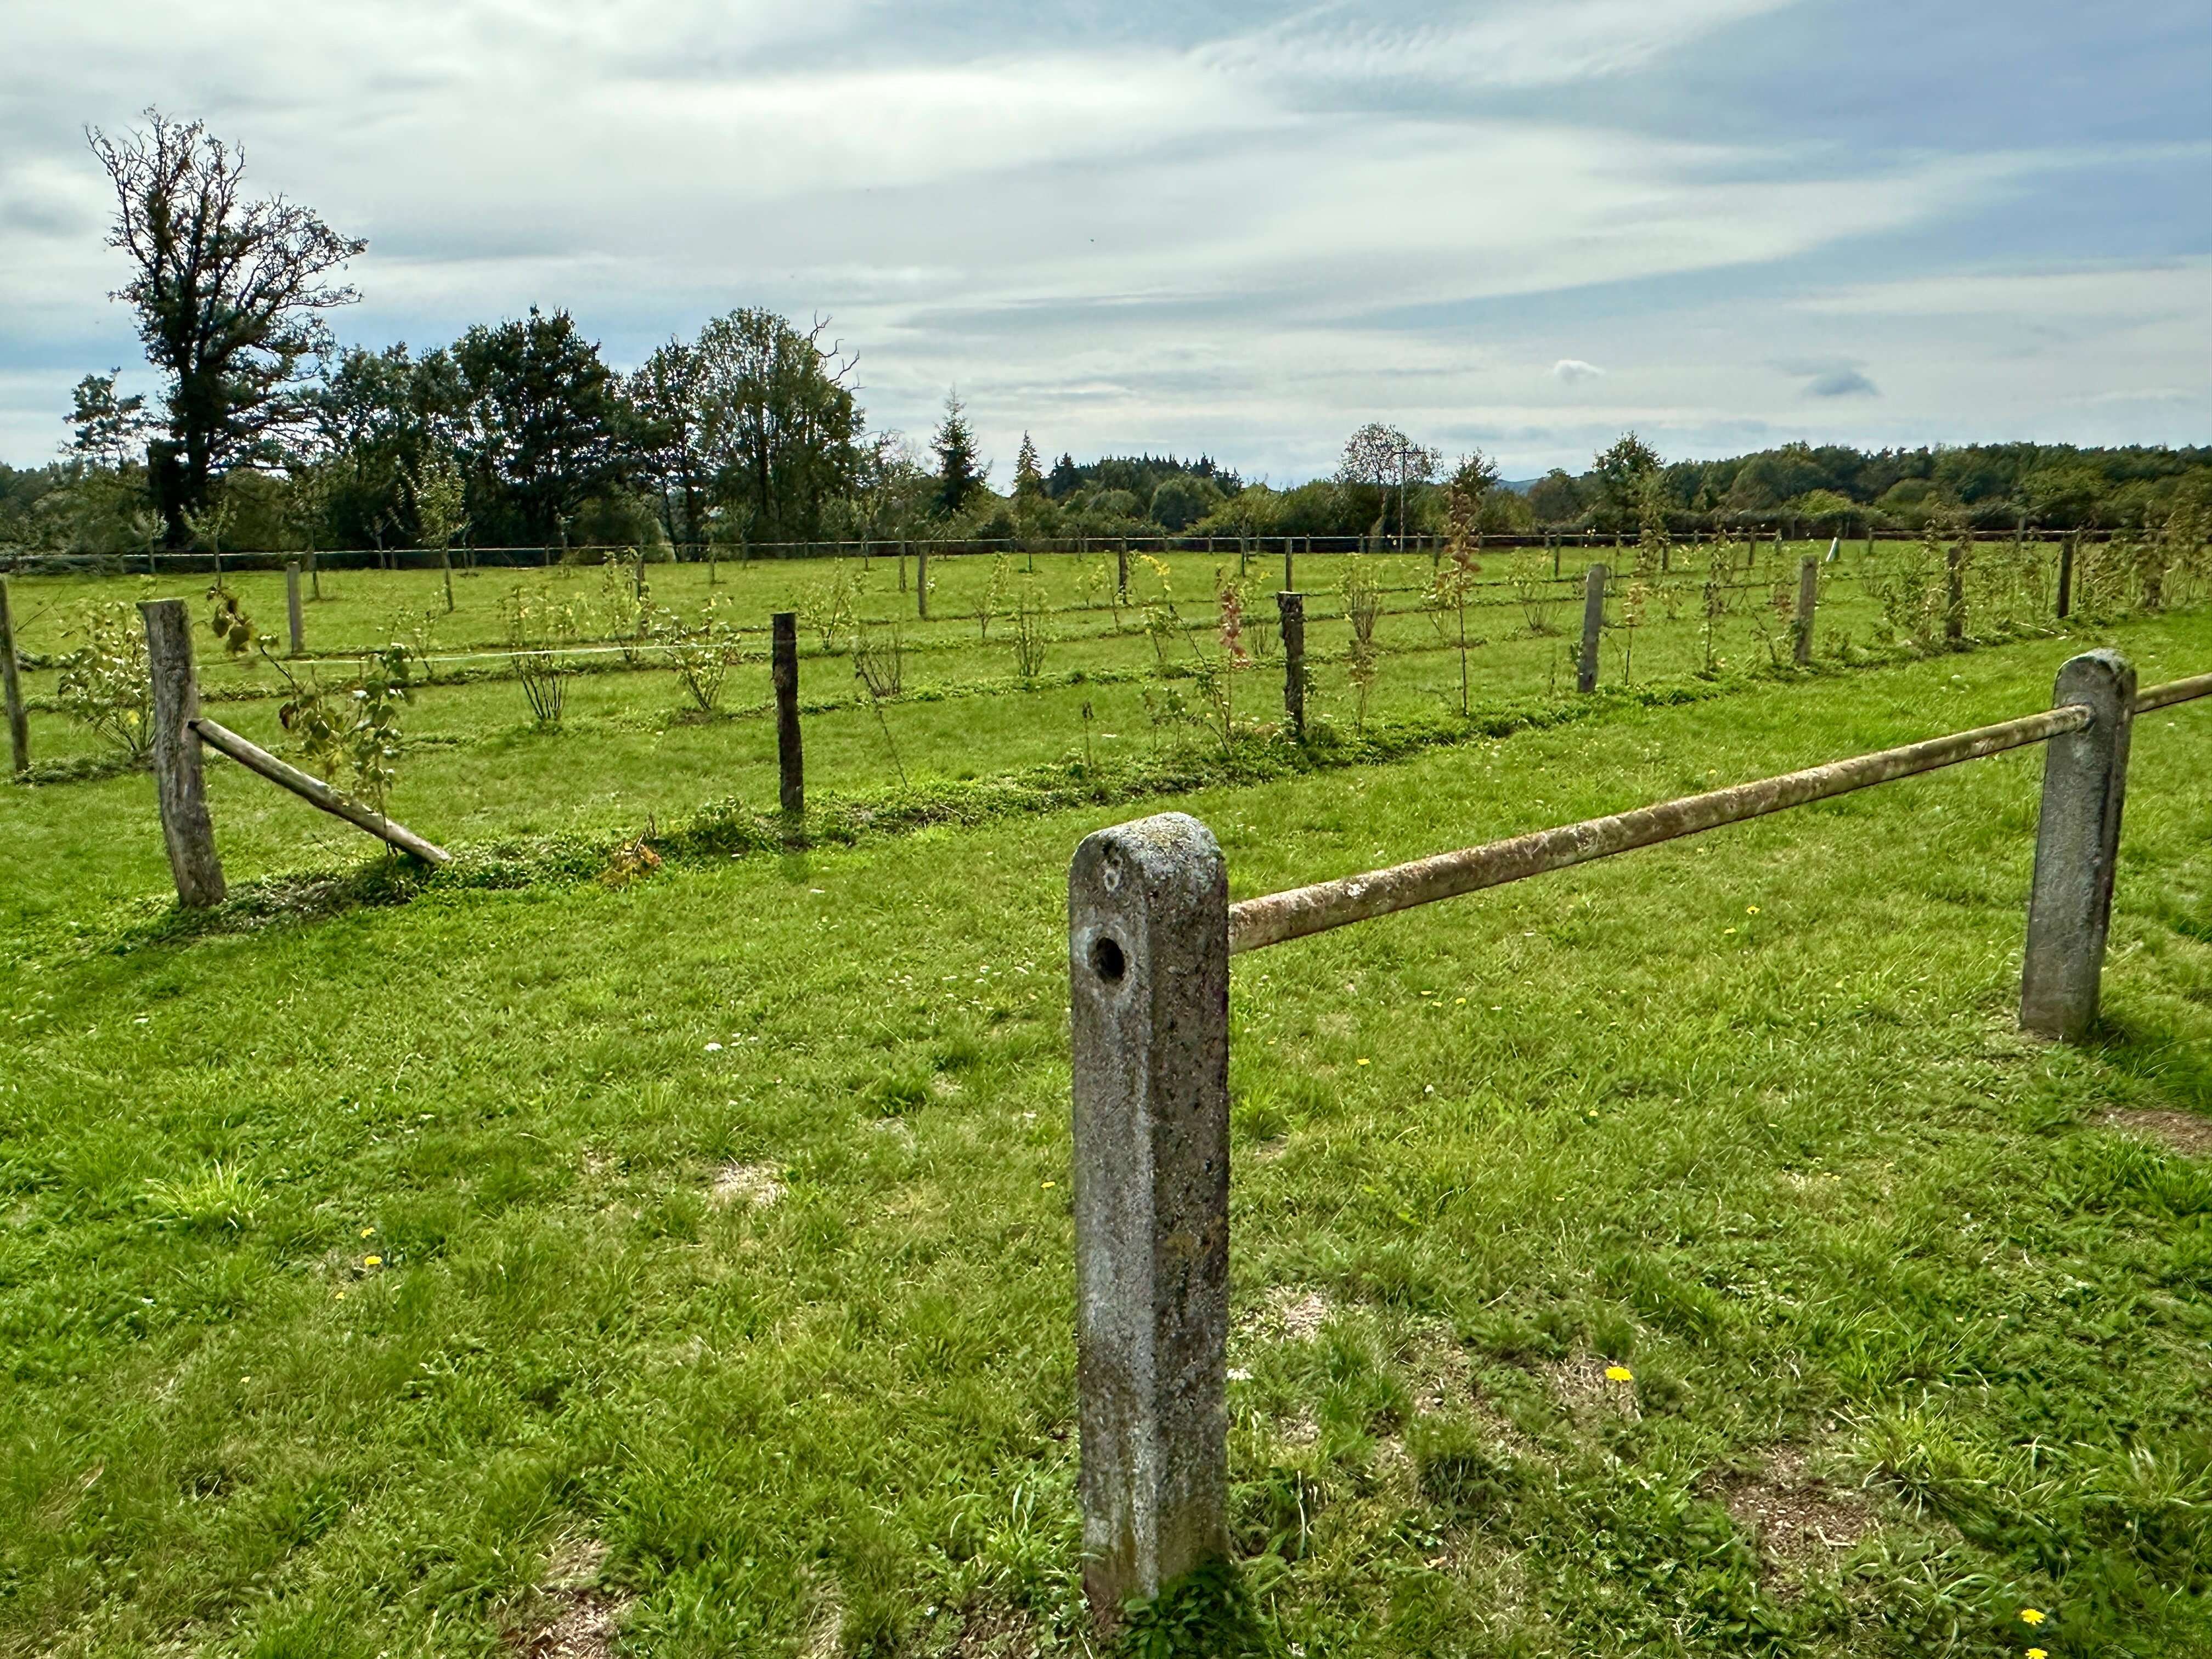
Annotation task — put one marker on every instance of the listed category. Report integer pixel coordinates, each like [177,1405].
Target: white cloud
[1521,44]
[1572,370]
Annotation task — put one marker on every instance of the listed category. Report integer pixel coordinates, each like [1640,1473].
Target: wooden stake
[1593,624]
[784,670]
[19,725]
[185,825]
[292,617]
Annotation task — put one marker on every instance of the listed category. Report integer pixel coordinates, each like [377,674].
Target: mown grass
[357,1269]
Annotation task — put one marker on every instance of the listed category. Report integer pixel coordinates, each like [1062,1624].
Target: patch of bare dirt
[1588,1393]
[995,1633]
[746,1183]
[1794,1517]
[2178,1132]
[574,1619]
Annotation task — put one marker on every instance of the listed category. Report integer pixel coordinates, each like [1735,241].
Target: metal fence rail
[1151,931]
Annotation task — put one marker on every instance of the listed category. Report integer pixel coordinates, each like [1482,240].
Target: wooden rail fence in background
[1149,934]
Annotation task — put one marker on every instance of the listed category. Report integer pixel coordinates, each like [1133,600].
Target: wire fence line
[24,561]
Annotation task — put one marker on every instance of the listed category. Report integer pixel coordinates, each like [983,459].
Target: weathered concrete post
[1292,608]
[1808,598]
[11,687]
[783,671]
[186,826]
[2066,576]
[1148,964]
[1593,624]
[2077,840]
[292,617]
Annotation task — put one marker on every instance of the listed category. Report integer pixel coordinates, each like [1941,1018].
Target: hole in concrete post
[1107,960]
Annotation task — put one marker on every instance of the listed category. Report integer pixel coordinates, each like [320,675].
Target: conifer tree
[1029,477]
[958,476]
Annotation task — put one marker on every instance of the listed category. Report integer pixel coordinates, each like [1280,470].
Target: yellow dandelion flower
[1362,1061]
[2032,1615]
[1728,930]
[1618,1374]
[2037,1653]
[372,1261]
[1751,909]
[1459,999]
[1051,1183]
[366,1231]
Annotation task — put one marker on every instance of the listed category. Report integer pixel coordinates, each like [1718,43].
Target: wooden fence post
[1809,598]
[292,617]
[1592,623]
[1148,964]
[2065,577]
[921,580]
[1954,595]
[1293,609]
[1121,568]
[1289,579]
[186,826]
[791,764]
[446,564]
[2077,841]
[11,687]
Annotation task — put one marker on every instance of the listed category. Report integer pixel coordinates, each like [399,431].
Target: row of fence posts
[1290,602]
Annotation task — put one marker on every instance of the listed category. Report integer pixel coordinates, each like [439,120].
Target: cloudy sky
[1242,227]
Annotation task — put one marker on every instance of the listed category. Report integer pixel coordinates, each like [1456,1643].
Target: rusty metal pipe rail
[1279,917]
[2173,691]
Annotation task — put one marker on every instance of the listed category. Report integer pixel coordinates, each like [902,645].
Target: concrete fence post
[11,687]
[783,671]
[1292,608]
[293,619]
[186,826]
[1809,600]
[2077,841]
[1148,964]
[1593,624]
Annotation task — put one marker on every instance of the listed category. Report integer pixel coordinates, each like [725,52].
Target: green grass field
[686,1269]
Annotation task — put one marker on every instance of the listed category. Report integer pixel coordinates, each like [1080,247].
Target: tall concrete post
[783,671]
[1148,966]
[292,617]
[181,790]
[1809,600]
[2077,843]
[1292,608]
[11,689]
[1593,624]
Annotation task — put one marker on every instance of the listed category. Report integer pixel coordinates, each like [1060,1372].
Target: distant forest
[269,435]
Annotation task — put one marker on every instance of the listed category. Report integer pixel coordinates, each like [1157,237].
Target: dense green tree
[109,429]
[1557,499]
[665,439]
[1066,478]
[778,424]
[229,296]
[1028,481]
[1617,475]
[378,418]
[538,428]
[1181,501]
[958,476]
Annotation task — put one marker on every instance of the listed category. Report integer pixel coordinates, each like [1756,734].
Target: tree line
[267,433]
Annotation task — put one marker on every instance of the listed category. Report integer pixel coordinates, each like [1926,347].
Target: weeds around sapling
[104,683]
